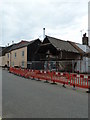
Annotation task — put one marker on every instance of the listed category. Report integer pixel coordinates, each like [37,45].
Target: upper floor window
[15,55]
[22,53]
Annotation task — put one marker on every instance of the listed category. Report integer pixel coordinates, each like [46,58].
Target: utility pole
[88,32]
[88,36]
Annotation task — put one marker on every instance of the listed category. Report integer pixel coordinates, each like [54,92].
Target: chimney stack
[44,33]
[85,40]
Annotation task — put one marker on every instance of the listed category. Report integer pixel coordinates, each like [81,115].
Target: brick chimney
[85,40]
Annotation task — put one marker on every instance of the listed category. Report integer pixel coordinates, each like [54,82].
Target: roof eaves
[76,47]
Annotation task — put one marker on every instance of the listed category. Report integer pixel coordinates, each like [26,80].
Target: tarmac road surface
[26,98]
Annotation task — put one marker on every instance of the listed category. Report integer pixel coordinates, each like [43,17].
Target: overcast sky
[25,19]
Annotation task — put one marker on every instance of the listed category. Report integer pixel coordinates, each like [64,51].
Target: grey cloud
[25,19]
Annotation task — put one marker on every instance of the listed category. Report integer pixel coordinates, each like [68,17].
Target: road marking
[0,118]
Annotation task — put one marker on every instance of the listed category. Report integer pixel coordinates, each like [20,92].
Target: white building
[84,65]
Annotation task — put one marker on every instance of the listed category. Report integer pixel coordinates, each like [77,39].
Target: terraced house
[1,56]
[4,58]
[52,54]
[18,55]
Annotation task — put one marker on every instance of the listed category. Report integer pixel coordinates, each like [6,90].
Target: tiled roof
[4,50]
[15,46]
[76,47]
[61,45]
[21,44]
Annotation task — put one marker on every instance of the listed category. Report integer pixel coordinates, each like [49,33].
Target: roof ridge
[21,44]
[61,44]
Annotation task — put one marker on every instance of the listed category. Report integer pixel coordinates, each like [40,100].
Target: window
[13,63]
[15,55]
[22,53]
[22,63]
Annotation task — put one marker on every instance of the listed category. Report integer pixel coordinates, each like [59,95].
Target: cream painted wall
[2,60]
[17,61]
[10,60]
[7,57]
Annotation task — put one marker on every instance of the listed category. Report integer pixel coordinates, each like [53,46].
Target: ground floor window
[13,64]
[22,63]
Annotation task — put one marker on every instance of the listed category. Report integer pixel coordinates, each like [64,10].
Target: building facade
[50,54]
[18,55]
[59,52]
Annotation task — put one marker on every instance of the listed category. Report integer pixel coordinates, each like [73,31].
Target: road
[25,98]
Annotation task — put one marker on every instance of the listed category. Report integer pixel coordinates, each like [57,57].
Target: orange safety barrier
[31,74]
[60,77]
[81,80]
[27,75]
[43,75]
[11,70]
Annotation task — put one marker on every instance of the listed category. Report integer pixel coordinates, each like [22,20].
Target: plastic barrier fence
[82,81]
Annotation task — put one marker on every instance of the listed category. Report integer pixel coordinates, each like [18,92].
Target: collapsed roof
[58,44]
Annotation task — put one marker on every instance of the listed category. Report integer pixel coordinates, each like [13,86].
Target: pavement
[26,98]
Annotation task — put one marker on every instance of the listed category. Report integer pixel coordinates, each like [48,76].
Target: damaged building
[61,55]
